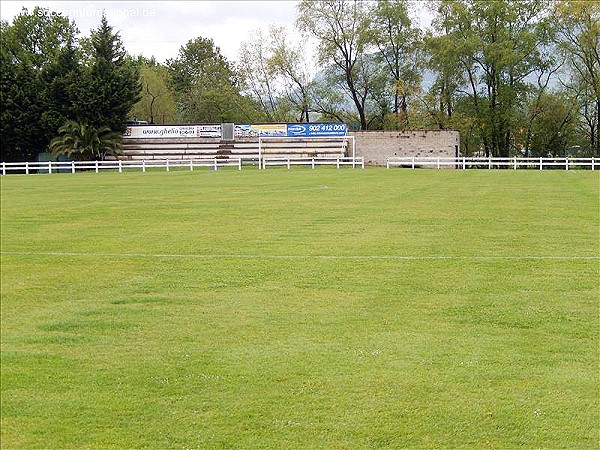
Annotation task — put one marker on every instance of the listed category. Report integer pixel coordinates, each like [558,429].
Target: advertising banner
[241,130]
[208,130]
[173,131]
[316,129]
[255,130]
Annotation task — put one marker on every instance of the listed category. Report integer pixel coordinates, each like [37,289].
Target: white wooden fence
[212,163]
[337,161]
[289,161]
[494,163]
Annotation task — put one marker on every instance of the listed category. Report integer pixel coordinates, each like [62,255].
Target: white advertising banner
[173,131]
[255,130]
[240,130]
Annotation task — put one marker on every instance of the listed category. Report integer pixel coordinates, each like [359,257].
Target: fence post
[593,163]
[4,168]
[438,163]
[515,161]
[49,166]
[191,166]
[288,163]
[72,166]
[167,165]
[541,164]
[489,163]
[215,161]
[413,162]
[143,166]
[312,163]
[362,163]
[26,168]
[259,153]
[120,167]
[337,163]
[566,163]
[464,163]
[239,163]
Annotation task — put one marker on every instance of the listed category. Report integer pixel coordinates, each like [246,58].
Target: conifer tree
[111,83]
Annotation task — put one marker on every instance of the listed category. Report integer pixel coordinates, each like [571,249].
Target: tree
[60,79]
[579,40]
[399,51]
[497,45]
[38,37]
[549,125]
[21,136]
[257,76]
[330,102]
[288,62]
[341,28]
[273,71]
[31,49]
[157,102]
[110,85]
[86,141]
[205,85]
[446,61]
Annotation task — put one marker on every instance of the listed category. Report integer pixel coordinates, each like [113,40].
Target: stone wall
[377,146]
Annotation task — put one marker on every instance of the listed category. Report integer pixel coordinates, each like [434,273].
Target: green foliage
[19,115]
[496,46]
[37,37]
[287,61]
[32,82]
[85,142]
[205,85]
[399,52]
[341,30]
[157,103]
[61,79]
[47,80]
[273,71]
[111,85]
[579,41]
[258,77]
[548,126]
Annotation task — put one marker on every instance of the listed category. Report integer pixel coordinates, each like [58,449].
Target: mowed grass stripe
[193,352]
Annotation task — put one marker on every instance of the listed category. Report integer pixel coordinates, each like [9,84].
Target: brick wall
[377,146]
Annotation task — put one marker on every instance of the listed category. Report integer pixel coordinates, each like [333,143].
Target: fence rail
[50,167]
[494,163]
[289,161]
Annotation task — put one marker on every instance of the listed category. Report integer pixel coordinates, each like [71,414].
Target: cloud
[160,28]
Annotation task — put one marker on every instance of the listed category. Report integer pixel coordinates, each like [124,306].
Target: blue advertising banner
[316,129]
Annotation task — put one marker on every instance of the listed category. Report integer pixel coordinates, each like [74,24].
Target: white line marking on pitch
[276,191]
[325,257]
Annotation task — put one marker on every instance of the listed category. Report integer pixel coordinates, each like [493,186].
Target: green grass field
[334,309]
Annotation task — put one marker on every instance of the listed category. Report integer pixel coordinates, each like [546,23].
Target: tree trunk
[596,145]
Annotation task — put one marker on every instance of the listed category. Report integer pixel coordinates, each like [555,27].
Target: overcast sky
[160,28]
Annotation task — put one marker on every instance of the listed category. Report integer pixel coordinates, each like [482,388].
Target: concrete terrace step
[197,148]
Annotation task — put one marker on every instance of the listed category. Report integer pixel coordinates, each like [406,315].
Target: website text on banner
[241,130]
[173,131]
